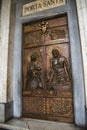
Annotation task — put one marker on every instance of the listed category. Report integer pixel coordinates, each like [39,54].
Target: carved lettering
[41,5]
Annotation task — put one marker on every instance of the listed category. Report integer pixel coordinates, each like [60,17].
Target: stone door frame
[76,58]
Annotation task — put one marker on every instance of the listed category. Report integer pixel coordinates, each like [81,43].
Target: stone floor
[33,124]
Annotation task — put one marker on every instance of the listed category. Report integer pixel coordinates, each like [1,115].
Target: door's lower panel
[59,106]
[47,117]
[34,105]
[55,108]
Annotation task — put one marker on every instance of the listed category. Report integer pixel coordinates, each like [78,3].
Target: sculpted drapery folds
[58,73]
[34,73]
[59,70]
[47,89]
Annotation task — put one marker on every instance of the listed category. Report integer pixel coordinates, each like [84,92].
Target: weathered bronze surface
[59,70]
[43,27]
[47,87]
[34,73]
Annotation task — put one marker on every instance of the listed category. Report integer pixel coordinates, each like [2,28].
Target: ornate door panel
[47,88]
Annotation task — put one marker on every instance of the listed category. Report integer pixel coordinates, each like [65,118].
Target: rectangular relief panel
[34,105]
[58,67]
[33,71]
[59,107]
[32,36]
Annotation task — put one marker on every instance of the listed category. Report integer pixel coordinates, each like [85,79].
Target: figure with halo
[59,69]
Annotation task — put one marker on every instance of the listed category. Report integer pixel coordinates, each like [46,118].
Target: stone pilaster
[82,19]
[5,29]
[6,62]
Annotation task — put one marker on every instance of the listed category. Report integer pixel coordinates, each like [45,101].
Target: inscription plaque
[41,5]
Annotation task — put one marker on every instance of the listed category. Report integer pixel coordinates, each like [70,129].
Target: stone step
[34,124]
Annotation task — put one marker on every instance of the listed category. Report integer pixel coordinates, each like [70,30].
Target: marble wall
[0,21]
[6,49]
[5,22]
[10,53]
[82,19]
[6,58]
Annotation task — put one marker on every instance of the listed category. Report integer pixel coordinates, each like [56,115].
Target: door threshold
[35,124]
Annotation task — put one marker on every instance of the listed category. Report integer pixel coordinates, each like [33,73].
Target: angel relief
[34,73]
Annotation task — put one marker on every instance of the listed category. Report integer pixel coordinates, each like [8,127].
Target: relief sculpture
[59,70]
[43,27]
[57,34]
[47,84]
[34,73]
[33,39]
[63,106]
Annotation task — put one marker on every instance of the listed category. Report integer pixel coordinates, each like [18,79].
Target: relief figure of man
[59,69]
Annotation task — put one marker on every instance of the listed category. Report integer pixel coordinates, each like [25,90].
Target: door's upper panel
[45,33]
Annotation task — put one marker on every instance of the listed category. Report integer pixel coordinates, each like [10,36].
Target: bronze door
[47,88]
